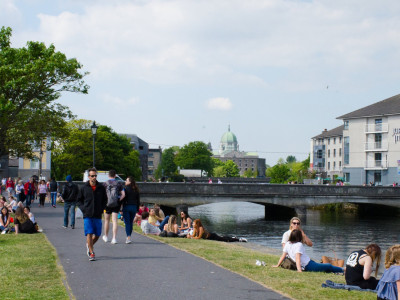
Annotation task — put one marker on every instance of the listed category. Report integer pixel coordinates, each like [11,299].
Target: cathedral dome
[228,142]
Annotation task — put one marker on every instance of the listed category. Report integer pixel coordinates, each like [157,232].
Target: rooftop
[338,131]
[389,106]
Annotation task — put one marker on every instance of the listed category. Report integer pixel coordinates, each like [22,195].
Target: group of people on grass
[359,264]
[22,222]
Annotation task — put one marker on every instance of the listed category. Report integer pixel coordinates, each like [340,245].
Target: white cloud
[219,104]
[119,101]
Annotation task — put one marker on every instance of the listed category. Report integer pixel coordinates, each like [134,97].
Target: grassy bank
[29,268]
[239,259]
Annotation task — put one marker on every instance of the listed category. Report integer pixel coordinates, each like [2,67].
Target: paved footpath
[145,269]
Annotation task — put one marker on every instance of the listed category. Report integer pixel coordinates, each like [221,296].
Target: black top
[53,186]
[70,192]
[354,271]
[26,227]
[132,197]
[92,203]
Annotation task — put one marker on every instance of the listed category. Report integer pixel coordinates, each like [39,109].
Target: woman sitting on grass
[389,285]
[4,220]
[359,267]
[186,221]
[199,232]
[22,222]
[296,251]
[171,228]
[27,210]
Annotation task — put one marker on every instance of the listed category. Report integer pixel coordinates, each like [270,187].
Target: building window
[35,163]
[319,154]
[340,140]
[340,152]
[334,152]
[151,154]
[346,145]
[150,163]
[378,124]
[340,164]
[346,125]
[329,141]
[334,141]
[329,165]
[347,177]
[334,165]
[329,153]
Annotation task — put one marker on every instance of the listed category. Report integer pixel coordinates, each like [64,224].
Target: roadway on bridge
[145,269]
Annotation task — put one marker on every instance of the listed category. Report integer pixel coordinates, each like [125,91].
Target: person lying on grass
[199,232]
[294,248]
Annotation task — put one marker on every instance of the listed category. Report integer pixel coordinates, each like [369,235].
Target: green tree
[167,167]
[73,154]
[249,173]
[195,155]
[231,169]
[219,171]
[291,159]
[31,79]
[278,173]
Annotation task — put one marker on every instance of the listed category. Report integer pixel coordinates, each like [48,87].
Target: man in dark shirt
[92,201]
[70,195]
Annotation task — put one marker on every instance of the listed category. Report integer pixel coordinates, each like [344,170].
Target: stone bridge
[275,197]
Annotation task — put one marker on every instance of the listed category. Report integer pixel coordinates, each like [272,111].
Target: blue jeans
[29,199]
[67,206]
[129,212]
[316,267]
[53,198]
[165,221]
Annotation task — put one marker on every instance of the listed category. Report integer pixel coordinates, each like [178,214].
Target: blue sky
[279,72]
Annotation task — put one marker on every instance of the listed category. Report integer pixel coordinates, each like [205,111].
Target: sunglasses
[92,175]
[295,223]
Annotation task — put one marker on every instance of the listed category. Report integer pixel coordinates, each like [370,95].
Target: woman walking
[130,206]
[42,191]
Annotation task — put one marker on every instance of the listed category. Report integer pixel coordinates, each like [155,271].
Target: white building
[370,145]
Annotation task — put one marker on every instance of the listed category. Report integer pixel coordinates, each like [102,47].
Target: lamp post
[94,131]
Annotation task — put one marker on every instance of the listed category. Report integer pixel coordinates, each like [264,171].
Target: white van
[102,176]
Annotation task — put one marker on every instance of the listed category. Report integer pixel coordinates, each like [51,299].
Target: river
[340,232]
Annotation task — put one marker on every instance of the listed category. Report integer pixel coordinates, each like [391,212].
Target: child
[389,285]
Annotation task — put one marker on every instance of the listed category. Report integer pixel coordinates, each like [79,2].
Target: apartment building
[327,153]
[370,145]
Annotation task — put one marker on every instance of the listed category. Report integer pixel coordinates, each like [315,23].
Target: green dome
[229,137]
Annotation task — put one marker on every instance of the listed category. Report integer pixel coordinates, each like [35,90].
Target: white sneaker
[128,241]
[105,238]
[4,231]
[113,241]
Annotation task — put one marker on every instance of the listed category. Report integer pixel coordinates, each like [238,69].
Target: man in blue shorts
[92,201]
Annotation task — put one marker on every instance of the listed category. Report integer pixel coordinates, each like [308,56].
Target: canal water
[340,232]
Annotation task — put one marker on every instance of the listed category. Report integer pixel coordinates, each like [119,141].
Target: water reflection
[340,232]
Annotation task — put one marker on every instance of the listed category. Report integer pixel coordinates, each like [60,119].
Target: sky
[277,71]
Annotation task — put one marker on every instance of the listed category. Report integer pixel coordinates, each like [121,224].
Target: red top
[141,211]
[10,183]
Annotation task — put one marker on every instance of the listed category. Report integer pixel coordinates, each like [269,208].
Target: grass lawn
[234,257]
[29,268]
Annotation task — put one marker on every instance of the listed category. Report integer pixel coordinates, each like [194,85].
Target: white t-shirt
[293,249]
[285,237]
[148,228]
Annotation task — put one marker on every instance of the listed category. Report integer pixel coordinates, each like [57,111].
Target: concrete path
[145,269]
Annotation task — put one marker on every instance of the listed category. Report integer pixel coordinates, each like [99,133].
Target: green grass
[239,259]
[29,268]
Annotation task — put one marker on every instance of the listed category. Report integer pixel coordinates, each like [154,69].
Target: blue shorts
[92,226]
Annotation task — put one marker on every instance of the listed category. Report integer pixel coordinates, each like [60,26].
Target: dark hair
[133,184]
[112,173]
[186,214]
[28,208]
[374,251]
[145,215]
[296,236]
[92,170]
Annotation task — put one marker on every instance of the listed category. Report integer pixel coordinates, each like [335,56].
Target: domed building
[229,150]
[228,142]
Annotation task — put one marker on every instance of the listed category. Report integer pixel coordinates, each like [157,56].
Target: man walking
[92,201]
[115,194]
[30,191]
[53,187]
[70,195]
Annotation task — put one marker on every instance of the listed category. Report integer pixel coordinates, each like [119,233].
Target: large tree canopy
[31,79]
[73,155]
[195,155]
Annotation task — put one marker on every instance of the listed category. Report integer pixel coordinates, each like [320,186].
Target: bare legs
[91,239]
[107,218]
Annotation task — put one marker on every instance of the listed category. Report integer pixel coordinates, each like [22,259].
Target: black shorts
[110,210]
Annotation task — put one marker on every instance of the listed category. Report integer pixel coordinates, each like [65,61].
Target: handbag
[334,261]
[288,264]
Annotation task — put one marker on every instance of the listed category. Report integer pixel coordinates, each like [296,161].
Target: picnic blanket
[341,286]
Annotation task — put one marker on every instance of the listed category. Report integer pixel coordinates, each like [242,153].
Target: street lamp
[94,131]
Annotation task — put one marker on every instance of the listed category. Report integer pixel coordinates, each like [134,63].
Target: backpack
[112,190]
